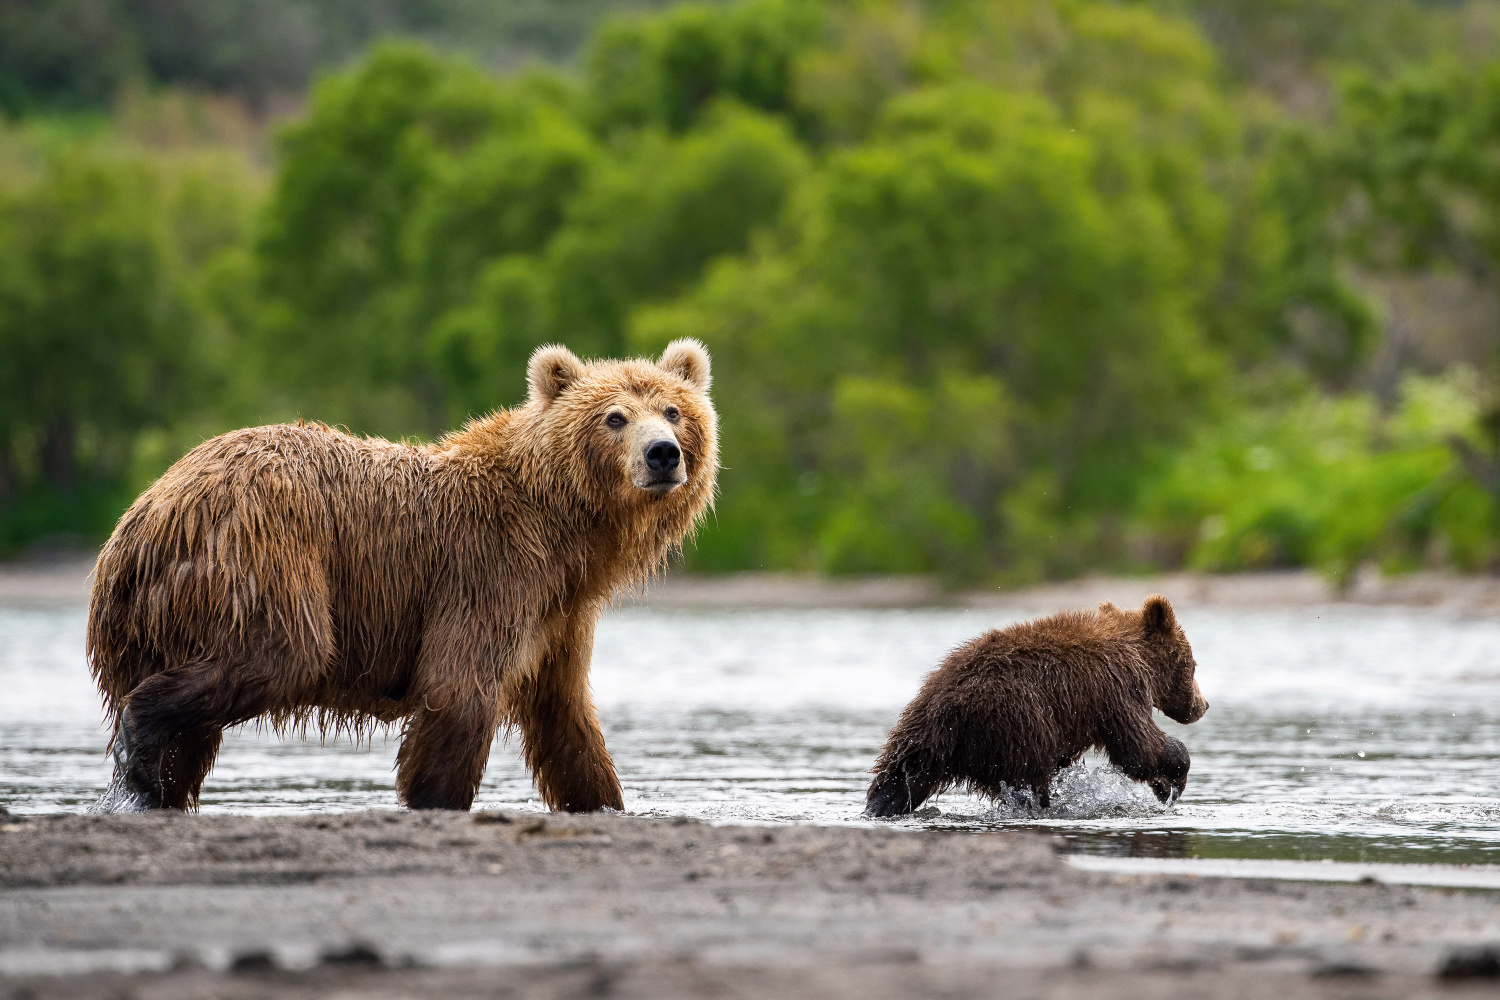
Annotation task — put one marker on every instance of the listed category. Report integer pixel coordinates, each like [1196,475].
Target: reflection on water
[1355,734]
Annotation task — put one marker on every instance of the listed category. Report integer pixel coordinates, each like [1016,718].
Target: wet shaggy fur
[311,577]
[1010,708]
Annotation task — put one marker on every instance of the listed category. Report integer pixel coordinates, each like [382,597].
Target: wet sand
[390,903]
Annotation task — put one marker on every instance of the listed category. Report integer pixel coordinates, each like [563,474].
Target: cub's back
[1066,654]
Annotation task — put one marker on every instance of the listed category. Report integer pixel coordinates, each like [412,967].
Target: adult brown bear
[1010,708]
[309,576]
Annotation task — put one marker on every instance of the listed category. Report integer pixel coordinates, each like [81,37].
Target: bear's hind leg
[192,697]
[442,756]
[184,765]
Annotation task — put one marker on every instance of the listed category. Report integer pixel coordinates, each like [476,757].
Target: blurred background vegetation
[1000,290]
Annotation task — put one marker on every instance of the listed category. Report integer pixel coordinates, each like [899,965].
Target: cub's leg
[185,764]
[443,754]
[1011,749]
[1172,768]
[194,697]
[559,726]
[903,784]
[918,758]
[1145,753]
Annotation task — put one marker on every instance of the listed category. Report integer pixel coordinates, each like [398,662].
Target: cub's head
[1171,658]
[627,434]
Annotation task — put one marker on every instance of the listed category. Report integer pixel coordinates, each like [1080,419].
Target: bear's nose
[662,456]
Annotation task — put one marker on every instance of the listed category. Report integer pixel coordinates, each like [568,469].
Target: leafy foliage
[1331,483]
[101,325]
[996,289]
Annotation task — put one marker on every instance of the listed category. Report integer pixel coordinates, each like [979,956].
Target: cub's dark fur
[1016,704]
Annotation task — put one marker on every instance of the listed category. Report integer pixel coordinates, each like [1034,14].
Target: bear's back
[294,527]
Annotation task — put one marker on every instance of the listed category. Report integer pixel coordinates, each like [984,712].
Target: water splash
[118,798]
[1082,791]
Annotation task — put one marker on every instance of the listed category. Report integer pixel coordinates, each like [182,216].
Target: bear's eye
[615,420]
[672,414]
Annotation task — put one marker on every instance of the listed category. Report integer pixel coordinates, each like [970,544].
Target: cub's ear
[688,359]
[1157,614]
[552,369]
[1107,607]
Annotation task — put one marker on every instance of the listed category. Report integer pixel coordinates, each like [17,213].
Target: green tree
[333,250]
[101,336]
[966,264]
[669,69]
[431,225]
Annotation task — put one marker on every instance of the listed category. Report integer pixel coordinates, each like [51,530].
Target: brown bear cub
[308,576]
[1015,705]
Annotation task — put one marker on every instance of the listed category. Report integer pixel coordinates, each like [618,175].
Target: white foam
[117,798]
[1089,789]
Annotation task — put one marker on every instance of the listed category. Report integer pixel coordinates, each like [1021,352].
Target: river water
[1342,733]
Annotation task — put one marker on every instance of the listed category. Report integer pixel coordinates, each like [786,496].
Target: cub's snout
[1194,711]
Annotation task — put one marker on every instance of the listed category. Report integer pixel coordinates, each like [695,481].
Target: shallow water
[1353,734]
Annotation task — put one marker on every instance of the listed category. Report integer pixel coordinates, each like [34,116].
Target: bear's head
[626,437]
[1173,668]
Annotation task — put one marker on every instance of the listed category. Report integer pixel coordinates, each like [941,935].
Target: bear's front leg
[443,754]
[560,728]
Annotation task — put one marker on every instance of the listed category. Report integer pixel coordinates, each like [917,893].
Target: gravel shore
[390,903]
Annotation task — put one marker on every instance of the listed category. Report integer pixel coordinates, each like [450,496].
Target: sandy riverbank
[394,903]
[66,579]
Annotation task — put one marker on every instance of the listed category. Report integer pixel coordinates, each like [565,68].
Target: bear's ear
[1157,614]
[687,359]
[552,369]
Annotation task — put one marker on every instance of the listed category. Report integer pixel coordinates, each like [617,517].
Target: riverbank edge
[63,580]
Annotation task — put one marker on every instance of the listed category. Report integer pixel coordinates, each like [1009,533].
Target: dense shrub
[102,325]
[996,289]
[1330,483]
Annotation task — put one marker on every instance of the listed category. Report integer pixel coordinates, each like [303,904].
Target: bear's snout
[663,456]
[663,463]
[656,463]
